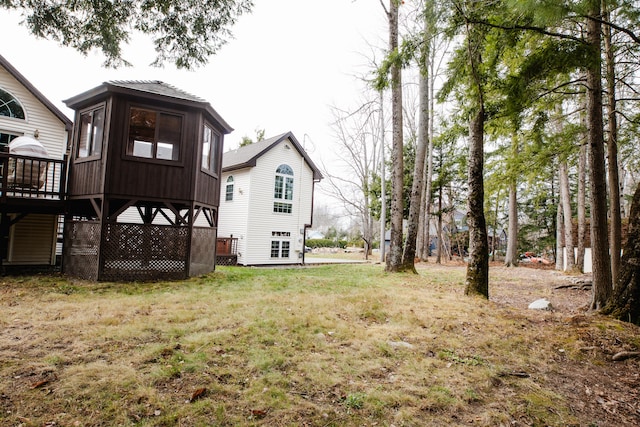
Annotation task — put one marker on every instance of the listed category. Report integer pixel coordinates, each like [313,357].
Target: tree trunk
[559,237]
[511,257]
[477,280]
[383,187]
[565,199]
[394,259]
[602,285]
[439,248]
[625,303]
[612,154]
[409,254]
[582,211]
[429,167]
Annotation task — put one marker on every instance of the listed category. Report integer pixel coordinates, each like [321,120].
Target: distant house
[267,200]
[29,208]
[314,234]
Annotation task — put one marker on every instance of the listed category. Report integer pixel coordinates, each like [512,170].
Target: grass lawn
[336,345]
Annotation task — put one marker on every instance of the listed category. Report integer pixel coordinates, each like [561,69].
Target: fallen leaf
[39,384]
[259,413]
[201,392]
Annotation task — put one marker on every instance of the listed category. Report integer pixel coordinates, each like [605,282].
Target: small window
[280,207]
[210,144]
[10,106]
[283,190]
[229,190]
[284,250]
[154,134]
[91,133]
[275,249]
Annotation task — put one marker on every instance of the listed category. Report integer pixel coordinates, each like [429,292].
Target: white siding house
[266,200]
[24,111]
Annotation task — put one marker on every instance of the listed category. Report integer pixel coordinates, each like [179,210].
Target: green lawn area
[336,345]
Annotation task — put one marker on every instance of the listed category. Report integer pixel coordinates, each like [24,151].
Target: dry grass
[325,346]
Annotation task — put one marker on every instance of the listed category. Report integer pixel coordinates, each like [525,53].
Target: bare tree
[357,149]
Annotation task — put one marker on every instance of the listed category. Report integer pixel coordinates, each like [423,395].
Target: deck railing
[31,177]
[227,246]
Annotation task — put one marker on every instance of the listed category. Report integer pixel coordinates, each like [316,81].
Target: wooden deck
[31,184]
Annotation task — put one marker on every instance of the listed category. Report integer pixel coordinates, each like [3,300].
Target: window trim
[95,107]
[230,182]
[128,154]
[214,135]
[17,101]
[283,187]
[280,249]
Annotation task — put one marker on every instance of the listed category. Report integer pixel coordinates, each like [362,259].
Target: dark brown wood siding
[119,175]
[145,178]
[207,190]
[86,176]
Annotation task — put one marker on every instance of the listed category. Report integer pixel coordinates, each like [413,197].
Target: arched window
[10,106]
[283,190]
[229,190]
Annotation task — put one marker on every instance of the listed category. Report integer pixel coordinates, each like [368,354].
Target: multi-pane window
[10,106]
[280,207]
[275,249]
[283,189]
[228,196]
[154,134]
[280,249]
[210,143]
[91,133]
[284,249]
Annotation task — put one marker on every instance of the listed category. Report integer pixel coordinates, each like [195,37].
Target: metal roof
[156,87]
[147,88]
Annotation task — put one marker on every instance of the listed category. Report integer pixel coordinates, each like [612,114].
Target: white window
[10,106]
[228,196]
[280,248]
[283,190]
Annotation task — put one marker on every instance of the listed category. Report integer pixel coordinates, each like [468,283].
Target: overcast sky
[289,61]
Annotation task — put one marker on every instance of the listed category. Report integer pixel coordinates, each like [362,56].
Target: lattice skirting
[203,250]
[227,260]
[80,249]
[144,252]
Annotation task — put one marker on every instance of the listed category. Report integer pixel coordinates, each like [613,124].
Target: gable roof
[150,89]
[68,124]
[248,155]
